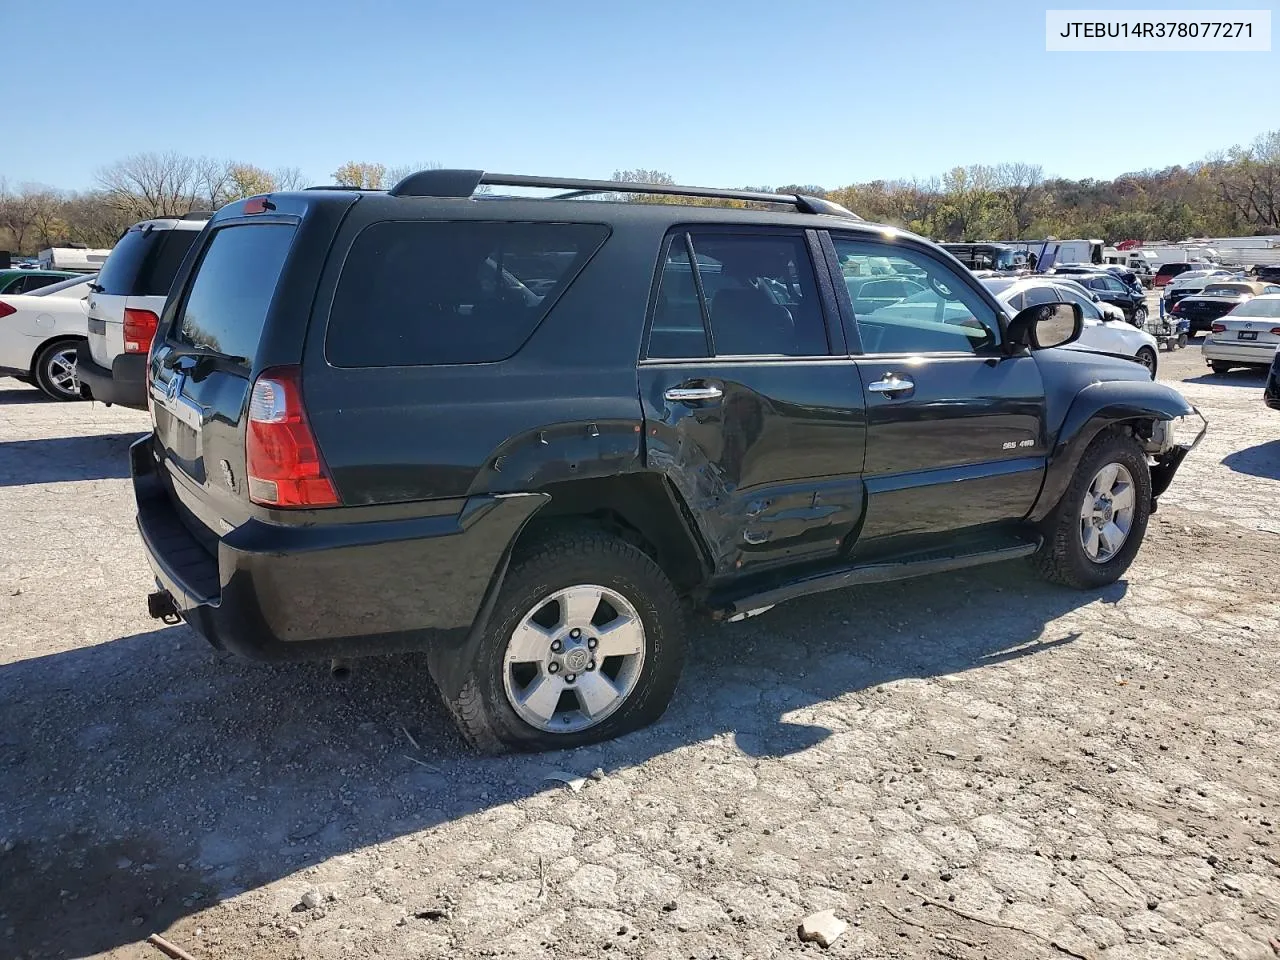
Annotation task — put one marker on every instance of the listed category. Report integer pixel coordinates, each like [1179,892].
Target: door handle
[693,394]
[892,383]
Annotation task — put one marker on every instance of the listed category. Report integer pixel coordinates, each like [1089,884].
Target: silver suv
[125,305]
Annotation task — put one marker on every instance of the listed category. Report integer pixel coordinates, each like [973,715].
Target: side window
[1038,295]
[942,315]
[418,293]
[678,330]
[741,295]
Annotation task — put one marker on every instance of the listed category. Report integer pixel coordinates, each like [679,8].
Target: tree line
[1231,192]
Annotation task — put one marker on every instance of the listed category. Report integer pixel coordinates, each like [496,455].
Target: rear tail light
[1176,308]
[282,458]
[1218,328]
[6,310]
[139,329]
[1275,331]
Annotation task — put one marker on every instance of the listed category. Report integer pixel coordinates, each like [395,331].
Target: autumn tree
[366,176]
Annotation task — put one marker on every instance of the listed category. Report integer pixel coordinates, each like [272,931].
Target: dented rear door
[750,408]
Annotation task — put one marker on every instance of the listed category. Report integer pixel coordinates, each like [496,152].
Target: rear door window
[756,295]
[235,280]
[418,293]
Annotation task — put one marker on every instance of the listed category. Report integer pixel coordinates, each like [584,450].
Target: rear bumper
[1260,354]
[329,589]
[125,383]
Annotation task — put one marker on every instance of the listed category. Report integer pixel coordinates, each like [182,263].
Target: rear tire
[499,704]
[1064,557]
[1140,317]
[1220,367]
[54,370]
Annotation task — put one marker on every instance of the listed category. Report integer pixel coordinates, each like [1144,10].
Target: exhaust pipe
[340,669]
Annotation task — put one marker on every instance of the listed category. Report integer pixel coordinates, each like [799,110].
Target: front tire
[1147,357]
[1095,531]
[54,370]
[1140,317]
[586,643]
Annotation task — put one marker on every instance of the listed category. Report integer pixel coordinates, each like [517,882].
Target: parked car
[1168,271]
[1271,392]
[39,333]
[1267,273]
[1248,336]
[486,429]
[1191,283]
[1218,299]
[125,305]
[1100,333]
[16,282]
[1118,293]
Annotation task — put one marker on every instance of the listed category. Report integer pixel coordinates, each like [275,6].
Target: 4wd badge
[228,477]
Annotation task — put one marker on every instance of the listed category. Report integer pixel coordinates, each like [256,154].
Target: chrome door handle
[891,384]
[693,394]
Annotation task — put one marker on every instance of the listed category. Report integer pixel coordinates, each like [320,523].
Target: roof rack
[463,183]
[334,186]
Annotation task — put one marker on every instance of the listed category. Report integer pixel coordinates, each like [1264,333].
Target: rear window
[416,293]
[234,283]
[1258,308]
[144,262]
[1172,269]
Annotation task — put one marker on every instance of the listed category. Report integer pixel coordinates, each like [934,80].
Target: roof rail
[463,183]
[196,215]
[334,186]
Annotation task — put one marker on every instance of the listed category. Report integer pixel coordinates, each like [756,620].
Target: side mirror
[1047,325]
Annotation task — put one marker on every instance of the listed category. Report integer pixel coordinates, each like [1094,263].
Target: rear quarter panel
[564,406]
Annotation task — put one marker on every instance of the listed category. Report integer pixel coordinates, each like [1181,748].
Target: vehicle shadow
[101,456]
[151,776]
[1262,460]
[16,392]
[1235,378]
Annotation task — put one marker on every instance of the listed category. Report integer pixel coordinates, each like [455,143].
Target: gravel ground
[973,765]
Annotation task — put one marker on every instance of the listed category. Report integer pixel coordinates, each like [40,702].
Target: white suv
[125,305]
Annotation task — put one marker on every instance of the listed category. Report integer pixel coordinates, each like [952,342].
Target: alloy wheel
[573,658]
[60,372]
[1106,516]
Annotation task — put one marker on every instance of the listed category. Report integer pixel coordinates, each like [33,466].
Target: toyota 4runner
[525,434]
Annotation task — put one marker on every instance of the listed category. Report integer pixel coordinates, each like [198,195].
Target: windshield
[65,287]
[1259,307]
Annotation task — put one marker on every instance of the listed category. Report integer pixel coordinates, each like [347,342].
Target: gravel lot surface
[975,765]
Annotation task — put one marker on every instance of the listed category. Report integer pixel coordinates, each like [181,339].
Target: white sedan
[1248,336]
[1102,332]
[39,332]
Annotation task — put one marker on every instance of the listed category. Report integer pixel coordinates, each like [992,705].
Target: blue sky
[713,92]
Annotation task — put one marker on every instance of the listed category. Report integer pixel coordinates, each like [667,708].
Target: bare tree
[1023,187]
[395,174]
[289,178]
[156,184]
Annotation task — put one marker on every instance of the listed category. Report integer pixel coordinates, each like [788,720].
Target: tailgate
[106,327]
[202,373]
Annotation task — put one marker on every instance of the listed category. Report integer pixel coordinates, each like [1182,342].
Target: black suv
[526,434]
[1116,292]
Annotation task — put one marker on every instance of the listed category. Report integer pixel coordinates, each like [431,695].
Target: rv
[76,259]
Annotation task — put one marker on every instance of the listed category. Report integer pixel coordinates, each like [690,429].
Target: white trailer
[77,259]
[1050,253]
